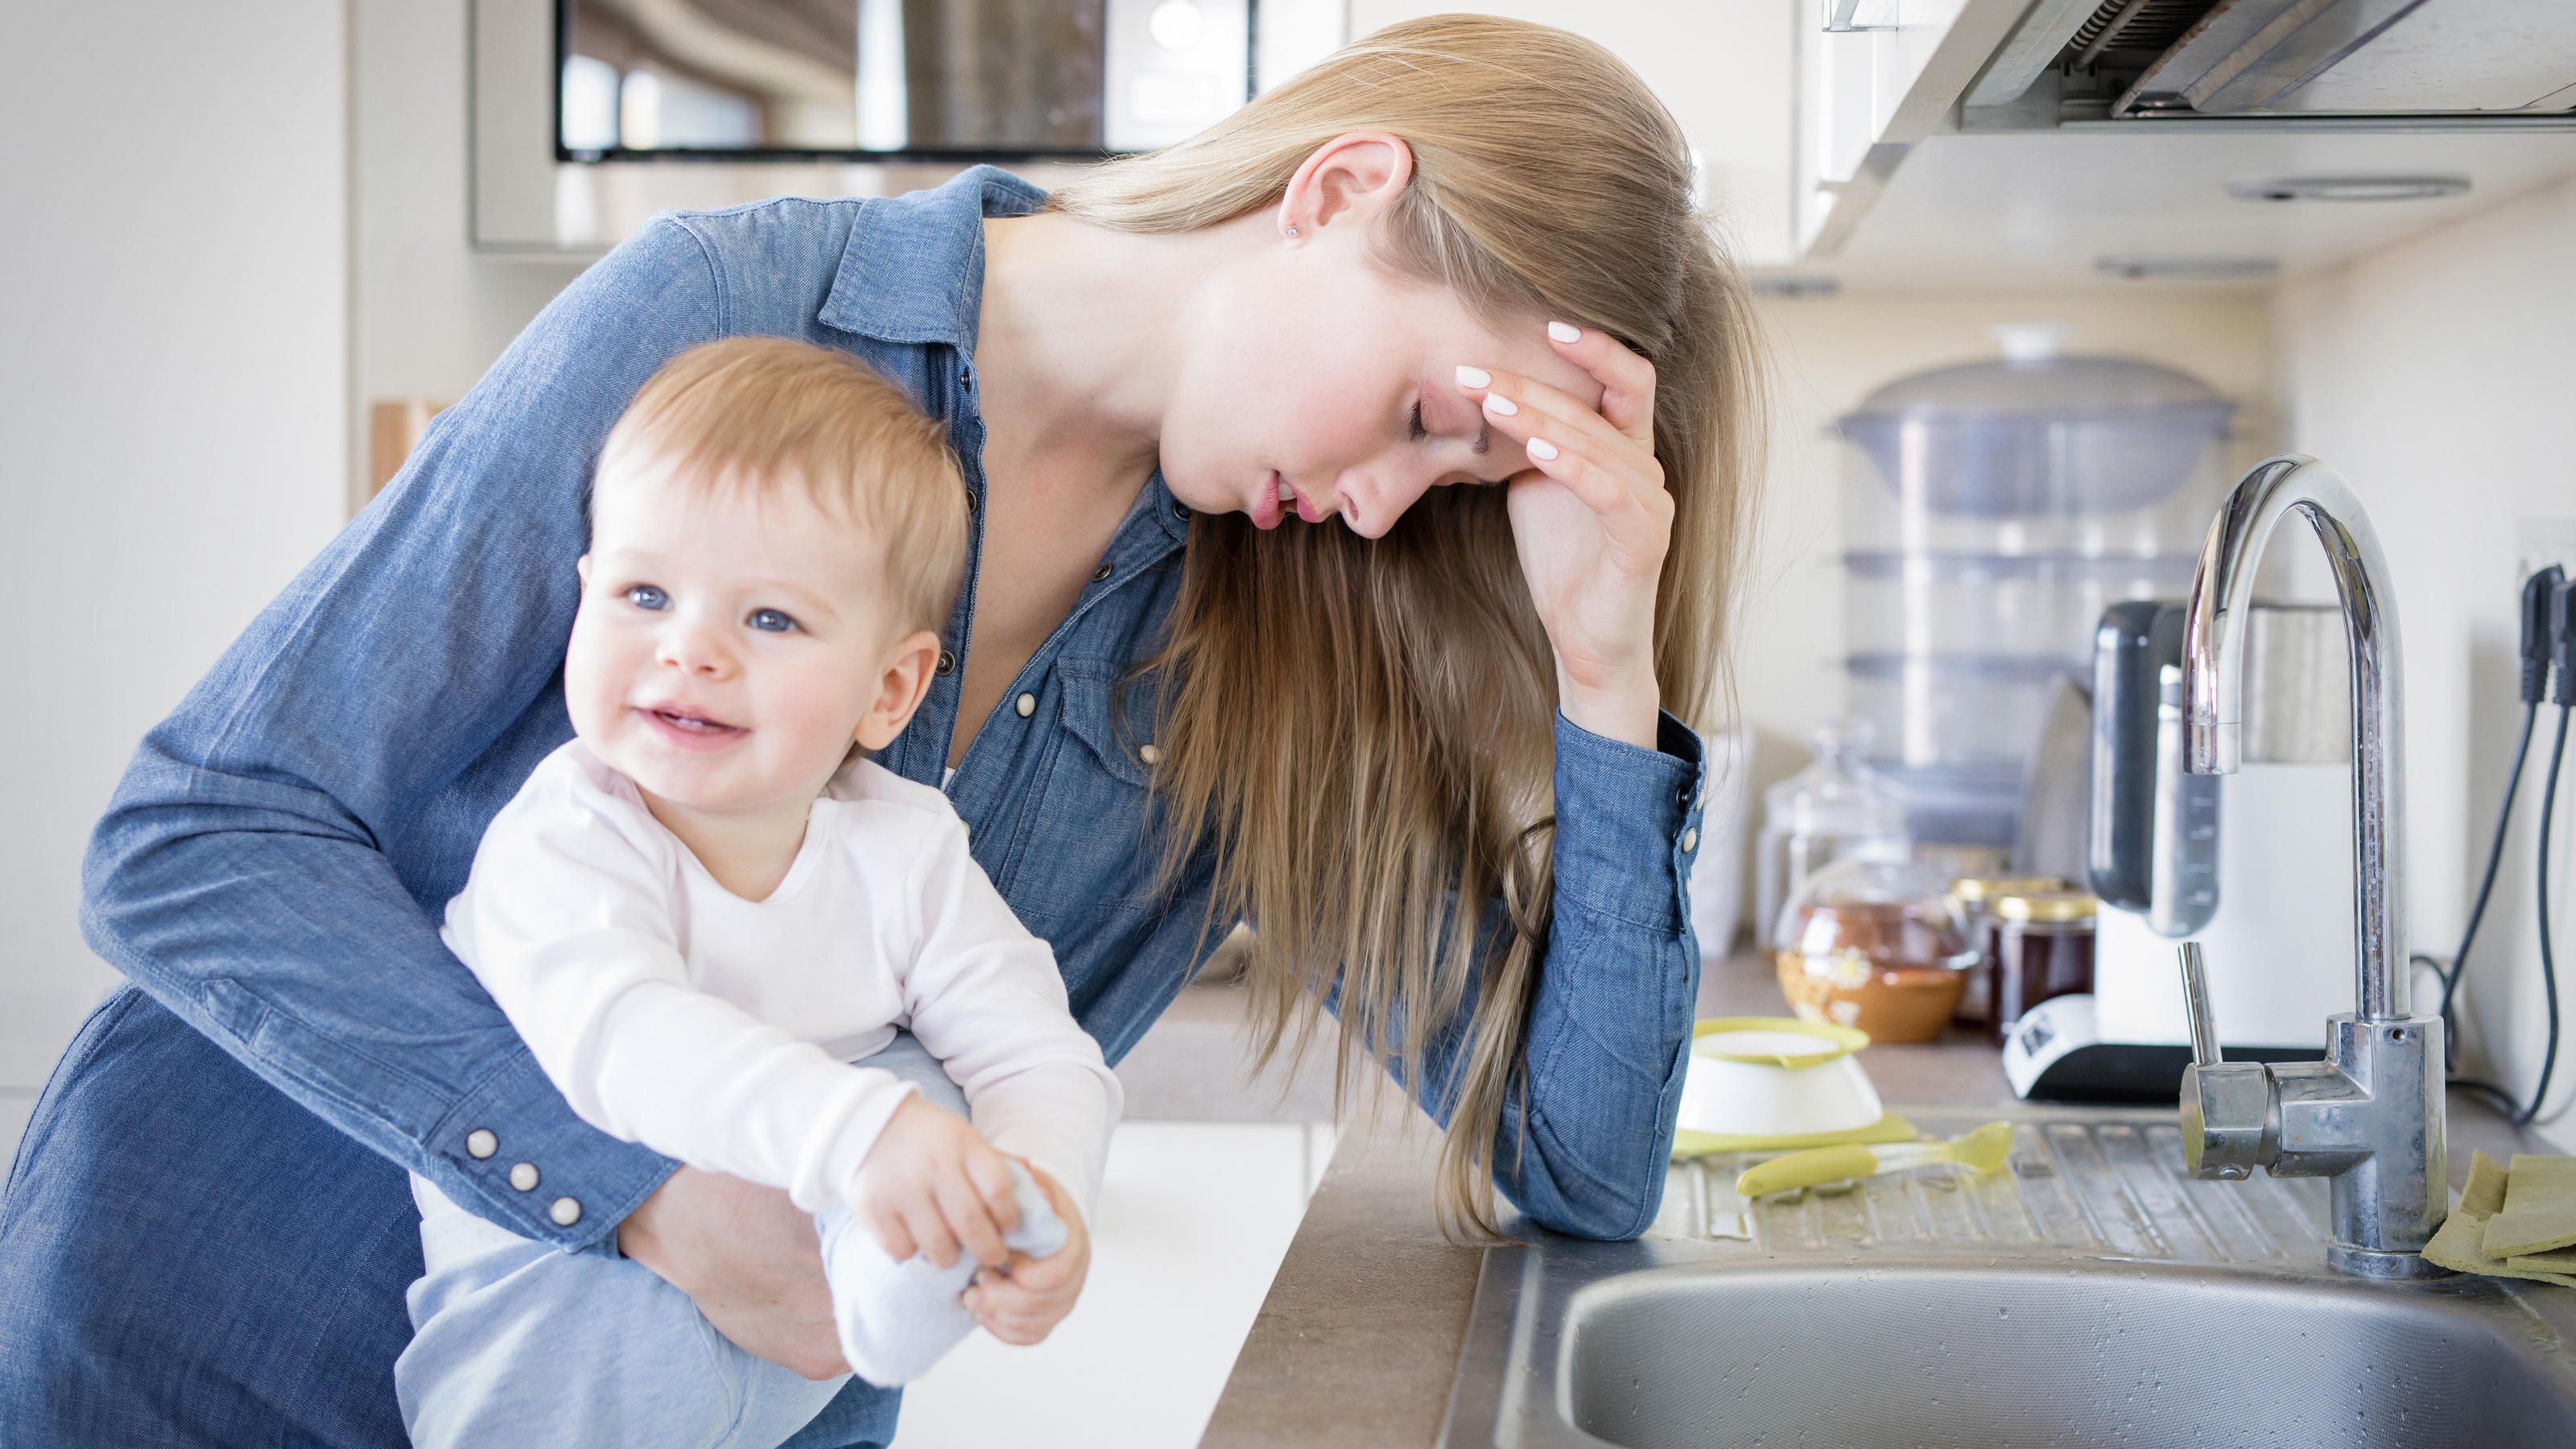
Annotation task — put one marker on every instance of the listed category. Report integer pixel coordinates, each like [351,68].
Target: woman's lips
[1266,512]
[689,731]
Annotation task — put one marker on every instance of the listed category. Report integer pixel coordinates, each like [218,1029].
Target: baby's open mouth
[694,726]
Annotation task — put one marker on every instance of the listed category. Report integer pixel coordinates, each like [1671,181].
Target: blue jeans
[134,1317]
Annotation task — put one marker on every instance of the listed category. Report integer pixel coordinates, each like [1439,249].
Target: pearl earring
[1292,231]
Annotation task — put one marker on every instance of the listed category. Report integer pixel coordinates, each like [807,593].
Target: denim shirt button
[565,1211]
[947,663]
[523,1176]
[1690,840]
[1181,510]
[481,1143]
[1151,754]
[1026,704]
[1100,573]
[970,500]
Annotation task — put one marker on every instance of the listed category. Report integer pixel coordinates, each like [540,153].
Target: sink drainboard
[2095,1185]
[2090,1295]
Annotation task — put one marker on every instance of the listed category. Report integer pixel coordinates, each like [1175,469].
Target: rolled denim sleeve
[268,867]
[1610,1015]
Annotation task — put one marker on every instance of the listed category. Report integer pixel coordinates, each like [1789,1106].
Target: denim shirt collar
[912,273]
[913,270]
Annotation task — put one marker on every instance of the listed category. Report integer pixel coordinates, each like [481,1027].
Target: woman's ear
[1353,177]
[903,682]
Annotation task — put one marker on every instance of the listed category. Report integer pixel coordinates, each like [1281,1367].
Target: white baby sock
[897,1319]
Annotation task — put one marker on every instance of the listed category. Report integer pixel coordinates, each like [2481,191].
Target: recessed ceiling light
[2350,188]
[2198,269]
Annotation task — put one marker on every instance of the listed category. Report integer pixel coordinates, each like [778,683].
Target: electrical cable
[2562,639]
[2486,886]
[2543,597]
[2548,956]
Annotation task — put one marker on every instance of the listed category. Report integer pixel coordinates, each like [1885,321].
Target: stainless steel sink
[2093,1295]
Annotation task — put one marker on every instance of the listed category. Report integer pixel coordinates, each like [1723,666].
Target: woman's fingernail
[1563,333]
[1474,376]
[1500,405]
[1541,449]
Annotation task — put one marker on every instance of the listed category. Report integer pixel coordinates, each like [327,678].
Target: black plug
[2562,639]
[2540,595]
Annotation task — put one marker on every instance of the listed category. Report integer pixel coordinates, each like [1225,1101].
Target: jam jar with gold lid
[2041,946]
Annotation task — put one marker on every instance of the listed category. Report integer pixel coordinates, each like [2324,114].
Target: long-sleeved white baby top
[720,1031]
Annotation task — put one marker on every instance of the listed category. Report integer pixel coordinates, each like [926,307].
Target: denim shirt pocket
[1116,723]
[1101,858]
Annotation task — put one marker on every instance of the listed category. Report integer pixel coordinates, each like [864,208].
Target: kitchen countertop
[1192,1065]
[1358,1341]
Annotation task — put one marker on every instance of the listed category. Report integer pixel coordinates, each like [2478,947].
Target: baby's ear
[581,569]
[903,682]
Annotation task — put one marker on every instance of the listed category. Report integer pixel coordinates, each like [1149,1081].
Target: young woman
[1355,486]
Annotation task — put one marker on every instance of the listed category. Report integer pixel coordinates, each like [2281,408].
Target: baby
[708,917]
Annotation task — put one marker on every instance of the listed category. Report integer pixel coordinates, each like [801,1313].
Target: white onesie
[720,1031]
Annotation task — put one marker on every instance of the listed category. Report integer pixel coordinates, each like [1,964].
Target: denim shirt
[274,863]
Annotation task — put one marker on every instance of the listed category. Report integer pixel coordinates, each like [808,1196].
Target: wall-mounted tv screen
[874,79]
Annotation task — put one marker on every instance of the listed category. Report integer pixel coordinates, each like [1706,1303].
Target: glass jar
[1873,942]
[1826,811]
[1972,896]
[2041,944]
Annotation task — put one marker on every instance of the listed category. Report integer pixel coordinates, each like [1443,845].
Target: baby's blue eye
[646,596]
[770,621]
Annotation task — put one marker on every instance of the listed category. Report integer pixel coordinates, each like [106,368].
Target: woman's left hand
[1022,1301]
[1592,521]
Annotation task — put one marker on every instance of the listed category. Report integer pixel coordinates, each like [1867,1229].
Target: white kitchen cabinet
[1193,1220]
[1856,61]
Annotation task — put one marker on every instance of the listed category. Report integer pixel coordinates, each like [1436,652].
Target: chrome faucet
[2370,1115]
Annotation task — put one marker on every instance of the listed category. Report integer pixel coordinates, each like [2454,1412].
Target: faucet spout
[2370,1116]
[2213,687]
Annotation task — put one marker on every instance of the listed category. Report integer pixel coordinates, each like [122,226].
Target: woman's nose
[1374,498]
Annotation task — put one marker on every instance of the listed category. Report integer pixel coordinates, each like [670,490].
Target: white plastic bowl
[1777,1077]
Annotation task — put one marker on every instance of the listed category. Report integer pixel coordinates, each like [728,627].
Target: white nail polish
[1541,449]
[1563,333]
[1500,405]
[1474,376]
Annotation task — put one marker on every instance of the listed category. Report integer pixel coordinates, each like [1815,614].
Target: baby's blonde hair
[750,414]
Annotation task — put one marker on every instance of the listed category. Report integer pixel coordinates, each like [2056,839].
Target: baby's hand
[1025,1299]
[931,1184]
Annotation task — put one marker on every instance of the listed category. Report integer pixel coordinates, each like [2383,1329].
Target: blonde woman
[1355,490]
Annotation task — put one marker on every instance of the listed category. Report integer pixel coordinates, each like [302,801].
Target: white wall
[173,348]
[2436,375]
[430,314]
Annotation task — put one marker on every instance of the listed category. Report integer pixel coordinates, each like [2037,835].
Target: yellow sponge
[2539,1208]
[2461,1243]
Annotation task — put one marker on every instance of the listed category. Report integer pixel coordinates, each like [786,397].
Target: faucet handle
[2228,1108]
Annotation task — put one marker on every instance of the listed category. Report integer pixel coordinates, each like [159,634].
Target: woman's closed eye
[771,621]
[647,596]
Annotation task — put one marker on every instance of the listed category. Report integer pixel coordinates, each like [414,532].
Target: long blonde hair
[1364,731]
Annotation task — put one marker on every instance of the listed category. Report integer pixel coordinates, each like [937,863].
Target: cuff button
[566,1212]
[480,1143]
[523,1176]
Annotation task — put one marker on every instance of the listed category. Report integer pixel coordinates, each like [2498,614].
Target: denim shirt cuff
[604,1178]
[1627,822]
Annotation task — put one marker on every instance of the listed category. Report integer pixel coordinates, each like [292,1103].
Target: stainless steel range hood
[2449,61]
